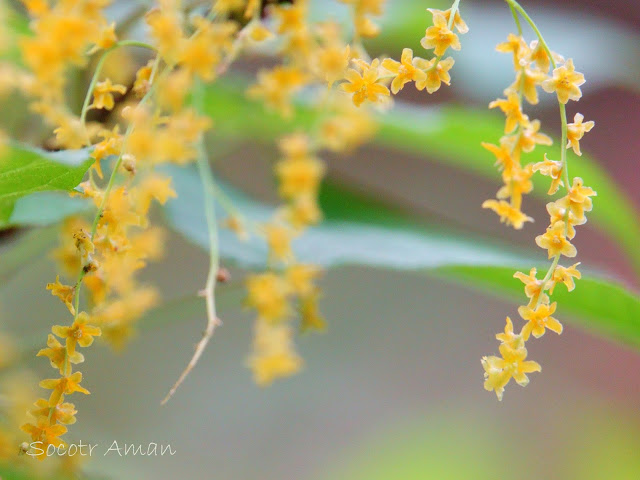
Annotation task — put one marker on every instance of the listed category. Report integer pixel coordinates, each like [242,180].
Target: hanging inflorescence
[536,66]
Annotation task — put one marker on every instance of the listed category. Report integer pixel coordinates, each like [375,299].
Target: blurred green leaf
[46,208]
[24,171]
[383,239]
[451,135]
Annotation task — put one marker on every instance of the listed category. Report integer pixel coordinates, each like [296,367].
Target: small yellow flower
[333,61]
[512,109]
[276,87]
[530,136]
[63,386]
[499,371]
[559,213]
[565,82]
[555,241]
[509,338]
[515,45]
[504,159]
[405,70]
[538,320]
[62,413]
[279,239]
[45,432]
[458,22]
[267,293]
[508,213]
[552,169]
[103,94]
[436,73]
[532,286]
[58,354]
[565,275]
[526,81]
[300,278]
[273,355]
[80,332]
[576,130]
[303,212]
[310,318]
[365,86]
[298,178]
[578,199]
[63,292]
[439,37]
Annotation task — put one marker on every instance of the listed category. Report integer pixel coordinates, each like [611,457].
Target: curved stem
[98,71]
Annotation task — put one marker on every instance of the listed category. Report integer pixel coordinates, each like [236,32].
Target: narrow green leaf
[24,171]
[598,303]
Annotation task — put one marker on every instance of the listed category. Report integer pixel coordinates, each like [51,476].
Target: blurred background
[393,389]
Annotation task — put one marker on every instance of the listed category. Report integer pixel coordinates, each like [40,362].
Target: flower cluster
[369,80]
[533,63]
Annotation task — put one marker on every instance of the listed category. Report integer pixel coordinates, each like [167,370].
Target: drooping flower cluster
[533,63]
[368,81]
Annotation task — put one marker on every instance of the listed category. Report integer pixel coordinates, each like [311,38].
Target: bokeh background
[393,389]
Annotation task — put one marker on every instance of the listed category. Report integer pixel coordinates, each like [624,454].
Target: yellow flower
[291,18]
[62,413]
[80,332]
[458,22]
[499,371]
[552,169]
[512,109]
[540,57]
[526,81]
[267,293]
[365,86]
[333,61]
[436,73]
[103,94]
[565,275]
[576,130]
[310,318]
[110,145]
[63,386]
[279,239]
[273,355]
[517,46]
[276,87]
[300,278]
[303,212]
[532,287]
[58,354]
[559,213]
[504,159]
[519,183]
[508,214]
[538,320]
[63,292]
[166,30]
[578,200]
[439,37]
[299,177]
[236,225]
[530,137]
[565,82]
[508,338]
[45,432]
[555,241]
[405,71]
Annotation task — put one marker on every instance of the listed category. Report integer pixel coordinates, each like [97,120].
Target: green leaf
[24,171]
[46,208]
[384,239]
[451,135]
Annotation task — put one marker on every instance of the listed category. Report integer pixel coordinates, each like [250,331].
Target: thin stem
[209,190]
[516,7]
[208,185]
[98,71]
[452,15]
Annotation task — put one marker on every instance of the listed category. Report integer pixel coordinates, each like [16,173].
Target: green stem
[98,71]
[516,7]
